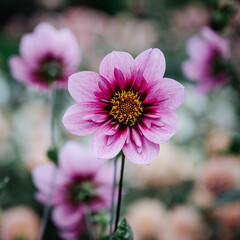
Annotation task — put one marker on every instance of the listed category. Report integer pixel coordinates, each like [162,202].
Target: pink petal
[19,69]
[145,155]
[35,45]
[104,175]
[216,41]
[46,39]
[192,70]
[66,217]
[104,194]
[77,159]
[168,92]
[42,177]
[71,235]
[70,50]
[74,121]
[197,48]
[151,63]
[82,85]
[120,60]
[161,129]
[108,142]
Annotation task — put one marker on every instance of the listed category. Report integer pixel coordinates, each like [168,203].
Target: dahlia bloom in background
[184,223]
[228,216]
[19,223]
[146,218]
[206,66]
[214,177]
[129,105]
[47,55]
[83,183]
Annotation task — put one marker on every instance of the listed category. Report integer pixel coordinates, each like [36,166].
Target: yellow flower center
[126,107]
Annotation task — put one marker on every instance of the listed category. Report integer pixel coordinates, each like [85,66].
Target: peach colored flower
[19,223]
[184,223]
[146,218]
[229,217]
[191,17]
[219,174]
[215,176]
[217,140]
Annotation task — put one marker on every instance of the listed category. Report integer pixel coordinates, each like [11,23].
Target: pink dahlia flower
[82,183]
[47,55]
[208,55]
[129,105]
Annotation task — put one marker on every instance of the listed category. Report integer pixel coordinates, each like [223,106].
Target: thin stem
[53,100]
[89,224]
[47,206]
[113,194]
[120,192]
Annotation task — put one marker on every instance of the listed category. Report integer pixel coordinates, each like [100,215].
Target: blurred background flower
[19,222]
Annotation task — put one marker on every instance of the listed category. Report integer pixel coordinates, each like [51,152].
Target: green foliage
[3,185]
[124,231]
[100,218]
[227,197]
[52,154]
[221,17]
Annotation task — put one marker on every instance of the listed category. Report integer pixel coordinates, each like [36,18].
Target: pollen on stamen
[126,107]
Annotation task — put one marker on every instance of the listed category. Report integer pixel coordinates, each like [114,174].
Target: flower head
[129,105]
[47,55]
[184,223]
[218,175]
[19,223]
[146,218]
[82,182]
[208,55]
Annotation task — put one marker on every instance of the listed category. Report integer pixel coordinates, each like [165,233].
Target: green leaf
[105,238]
[124,231]
[52,154]
[3,184]
[227,197]
[100,218]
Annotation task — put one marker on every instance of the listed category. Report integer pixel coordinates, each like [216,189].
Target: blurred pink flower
[215,176]
[207,54]
[146,218]
[228,216]
[219,174]
[47,55]
[184,223]
[129,105]
[218,140]
[82,182]
[19,223]
[191,17]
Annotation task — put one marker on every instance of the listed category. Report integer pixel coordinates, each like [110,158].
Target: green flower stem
[47,206]
[113,194]
[120,192]
[90,227]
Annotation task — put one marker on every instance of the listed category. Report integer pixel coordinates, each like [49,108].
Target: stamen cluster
[126,107]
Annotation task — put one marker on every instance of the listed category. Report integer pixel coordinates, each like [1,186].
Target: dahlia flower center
[218,64]
[126,107]
[83,192]
[50,69]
